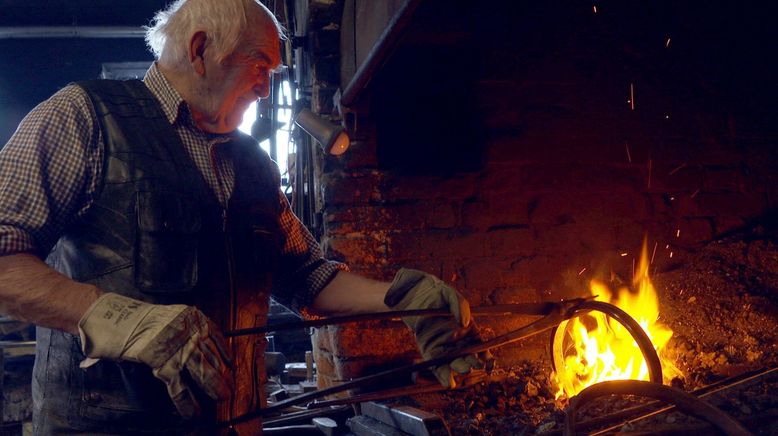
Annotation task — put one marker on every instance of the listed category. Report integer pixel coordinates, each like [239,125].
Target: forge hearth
[721,305]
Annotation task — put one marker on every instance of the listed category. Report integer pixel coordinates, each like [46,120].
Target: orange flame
[596,348]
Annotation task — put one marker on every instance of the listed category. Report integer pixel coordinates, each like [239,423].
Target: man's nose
[262,85]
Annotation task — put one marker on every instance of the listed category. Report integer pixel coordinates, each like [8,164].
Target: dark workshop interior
[525,153]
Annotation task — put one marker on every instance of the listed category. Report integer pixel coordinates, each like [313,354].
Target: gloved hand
[435,336]
[168,338]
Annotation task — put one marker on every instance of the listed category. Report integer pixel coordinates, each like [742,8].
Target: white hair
[224,21]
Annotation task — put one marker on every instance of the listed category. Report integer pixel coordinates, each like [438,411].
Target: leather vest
[156,232]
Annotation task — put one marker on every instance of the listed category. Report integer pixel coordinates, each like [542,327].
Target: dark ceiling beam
[38,32]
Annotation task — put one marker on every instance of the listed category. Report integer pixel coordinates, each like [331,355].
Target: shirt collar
[173,106]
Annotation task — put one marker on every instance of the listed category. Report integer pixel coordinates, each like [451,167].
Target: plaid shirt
[52,166]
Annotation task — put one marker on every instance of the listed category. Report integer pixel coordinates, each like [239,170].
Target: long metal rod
[684,401]
[380,395]
[544,324]
[538,309]
[555,314]
[728,383]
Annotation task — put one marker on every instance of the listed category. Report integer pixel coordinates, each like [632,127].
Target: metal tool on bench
[406,419]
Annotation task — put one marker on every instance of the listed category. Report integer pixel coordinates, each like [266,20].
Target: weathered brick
[694,231]
[370,339]
[498,178]
[360,155]
[597,238]
[718,152]
[536,272]
[567,207]
[325,362]
[677,177]
[398,188]
[326,373]
[629,234]
[339,189]
[357,248]
[474,215]
[513,295]
[349,369]
[519,241]
[730,204]
[442,216]
[497,211]
[572,177]
[562,238]
[322,102]
[723,224]
[723,180]
[390,217]
[436,244]
[483,273]
[560,148]
[322,337]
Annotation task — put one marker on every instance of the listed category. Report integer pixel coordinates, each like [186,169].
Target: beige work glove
[435,336]
[170,339]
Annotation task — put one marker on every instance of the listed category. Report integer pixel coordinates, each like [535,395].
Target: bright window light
[284,144]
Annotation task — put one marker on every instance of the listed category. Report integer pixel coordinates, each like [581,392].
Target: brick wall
[570,176]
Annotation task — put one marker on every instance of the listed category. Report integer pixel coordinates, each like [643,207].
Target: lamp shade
[333,138]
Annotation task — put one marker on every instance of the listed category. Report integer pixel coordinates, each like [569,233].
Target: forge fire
[593,348]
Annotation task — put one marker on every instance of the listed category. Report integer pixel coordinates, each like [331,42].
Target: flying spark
[654,253]
[676,169]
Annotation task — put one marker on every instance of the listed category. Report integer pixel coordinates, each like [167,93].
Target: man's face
[231,85]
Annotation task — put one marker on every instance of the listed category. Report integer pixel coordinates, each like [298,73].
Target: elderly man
[160,226]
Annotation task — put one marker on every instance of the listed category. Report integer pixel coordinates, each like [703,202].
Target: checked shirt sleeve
[48,172]
[304,271]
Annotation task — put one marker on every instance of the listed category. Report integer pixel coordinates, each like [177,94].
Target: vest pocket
[167,242]
[123,397]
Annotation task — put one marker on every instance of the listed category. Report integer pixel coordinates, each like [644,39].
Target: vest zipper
[230,264]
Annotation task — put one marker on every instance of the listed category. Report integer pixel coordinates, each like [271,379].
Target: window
[280,102]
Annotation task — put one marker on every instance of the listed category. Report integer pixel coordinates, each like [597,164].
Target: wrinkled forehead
[261,40]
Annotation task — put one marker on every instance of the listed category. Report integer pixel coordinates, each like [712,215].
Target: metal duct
[38,32]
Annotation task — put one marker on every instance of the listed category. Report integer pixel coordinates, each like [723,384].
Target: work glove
[170,339]
[436,336]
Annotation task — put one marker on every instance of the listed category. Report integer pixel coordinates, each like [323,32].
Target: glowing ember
[598,349]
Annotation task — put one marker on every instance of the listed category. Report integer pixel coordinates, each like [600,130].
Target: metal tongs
[553,313]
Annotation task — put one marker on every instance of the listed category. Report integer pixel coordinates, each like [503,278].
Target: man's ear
[197,46]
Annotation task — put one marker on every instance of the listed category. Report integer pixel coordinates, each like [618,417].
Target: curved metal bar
[683,401]
[629,323]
